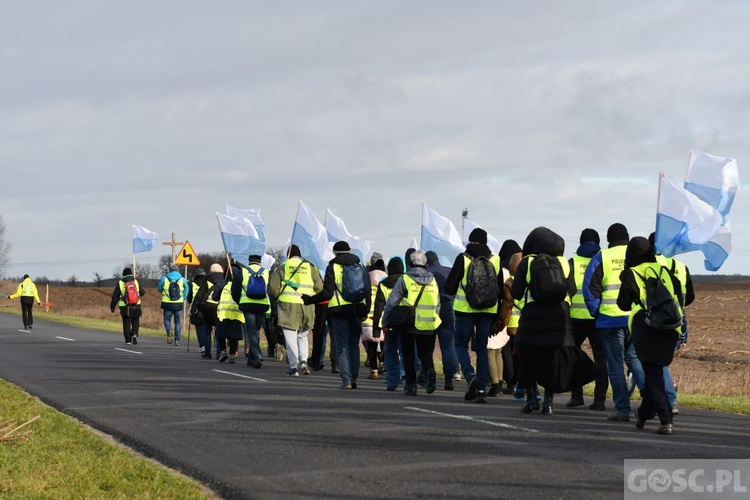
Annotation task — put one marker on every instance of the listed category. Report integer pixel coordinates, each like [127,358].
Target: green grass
[62,458]
[88,323]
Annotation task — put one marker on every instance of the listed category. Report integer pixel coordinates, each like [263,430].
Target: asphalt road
[249,433]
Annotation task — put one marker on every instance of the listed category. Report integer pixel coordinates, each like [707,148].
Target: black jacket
[360,309]
[116,293]
[542,325]
[238,291]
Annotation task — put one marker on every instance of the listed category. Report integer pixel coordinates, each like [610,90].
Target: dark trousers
[233,345]
[130,327]
[319,331]
[271,330]
[510,363]
[582,330]
[374,358]
[654,400]
[28,316]
[535,367]
[425,348]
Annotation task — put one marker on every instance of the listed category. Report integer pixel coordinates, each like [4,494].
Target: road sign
[187,256]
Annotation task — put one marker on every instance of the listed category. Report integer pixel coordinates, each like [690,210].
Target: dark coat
[360,309]
[542,325]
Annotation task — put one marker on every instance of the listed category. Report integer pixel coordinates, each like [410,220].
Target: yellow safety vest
[426,317]
[209,297]
[228,308]
[244,299]
[337,300]
[303,279]
[371,314]
[165,291]
[386,293]
[640,270]
[613,261]
[578,308]
[460,303]
[678,268]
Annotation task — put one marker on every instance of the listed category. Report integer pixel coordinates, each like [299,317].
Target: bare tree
[73,280]
[4,248]
[98,278]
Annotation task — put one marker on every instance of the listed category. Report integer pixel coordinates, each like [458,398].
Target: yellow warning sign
[187,256]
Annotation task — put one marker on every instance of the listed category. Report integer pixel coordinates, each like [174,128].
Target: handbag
[404,317]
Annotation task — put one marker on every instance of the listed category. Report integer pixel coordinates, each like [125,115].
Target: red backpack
[131,297]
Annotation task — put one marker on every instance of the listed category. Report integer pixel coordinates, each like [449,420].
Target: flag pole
[229,262]
[133,265]
[296,218]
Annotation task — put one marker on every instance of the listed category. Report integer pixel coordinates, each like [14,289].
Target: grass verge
[62,458]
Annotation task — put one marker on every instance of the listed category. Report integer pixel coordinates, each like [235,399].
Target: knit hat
[376,256]
[173,267]
[478,235]
[617,233]
[127,271]
[432,257]
[509,248]
[200,272]
[418,258]
[341,247]
[589,234]
[215,268]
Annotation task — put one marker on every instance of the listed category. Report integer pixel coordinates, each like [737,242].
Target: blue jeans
[475,325]
[204,336]
[445,334]
[346,335]
[618,347]
[253,324]
[177,323]
[669,387]
[393,367]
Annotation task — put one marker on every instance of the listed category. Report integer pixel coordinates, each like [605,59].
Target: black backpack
[662,307]
[547,283]
[355,283]
[174,290]
[481,289]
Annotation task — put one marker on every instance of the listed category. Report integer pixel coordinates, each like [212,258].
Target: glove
[376,333]
[112,309]
[306,299]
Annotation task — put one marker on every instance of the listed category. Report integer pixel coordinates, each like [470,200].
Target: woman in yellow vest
[231,326]
[28,293]
[418,290]
[392,354]
[654,346]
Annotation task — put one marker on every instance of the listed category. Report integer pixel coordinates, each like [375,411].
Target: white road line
[472,419]
[241,376]
[24,331]
[127,350]
[65,338]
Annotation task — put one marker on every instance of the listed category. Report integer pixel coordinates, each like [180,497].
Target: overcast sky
[158,113]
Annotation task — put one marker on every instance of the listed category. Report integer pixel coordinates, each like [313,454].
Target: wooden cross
[174,244]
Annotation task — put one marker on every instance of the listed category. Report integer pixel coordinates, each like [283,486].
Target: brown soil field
[715,361]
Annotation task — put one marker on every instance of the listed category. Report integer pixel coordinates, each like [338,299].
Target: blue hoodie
[173,276]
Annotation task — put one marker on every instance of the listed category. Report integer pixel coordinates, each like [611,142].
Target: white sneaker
[304,369]
[457,377]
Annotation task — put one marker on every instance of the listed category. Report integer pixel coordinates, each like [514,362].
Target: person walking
[446,332]
[545,324]
[371,341]
[601,286]
[654,346]
[127,296]
[345,317]
[392,354]
[472,322]
[28,293]
[174,291]
[584,326]
[231,326]
[250,291]
[290,282]
[418,291]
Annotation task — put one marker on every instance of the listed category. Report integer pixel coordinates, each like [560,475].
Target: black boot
[547,403]
[531,402]
[494,390]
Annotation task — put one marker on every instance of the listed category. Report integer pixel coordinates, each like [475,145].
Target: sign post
[186,257]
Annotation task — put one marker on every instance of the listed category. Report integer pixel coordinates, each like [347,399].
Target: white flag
[440,235]
[337,232]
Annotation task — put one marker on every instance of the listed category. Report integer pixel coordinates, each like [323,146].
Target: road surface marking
[127,350]
[24,331]
[242,376]
[466,417]
[66,338]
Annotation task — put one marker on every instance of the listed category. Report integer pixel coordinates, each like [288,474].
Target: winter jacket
[423,277]
[163,288]
[457,272]
[395,269]
[293,316]
[440,272]
[116,296]
[542,324]
[27,291]
[359,309]
[376,276]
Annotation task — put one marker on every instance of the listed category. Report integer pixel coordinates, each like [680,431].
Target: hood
[544,240]
[396,265]
[639,251]
[345,258]
[174,275]
[588,249]
[376,276]
[478,250]
[420,275]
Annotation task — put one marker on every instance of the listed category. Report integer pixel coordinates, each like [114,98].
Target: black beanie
[509,248]
[341,246]
[127,271]
[478,235]
[589,234]
[617,233]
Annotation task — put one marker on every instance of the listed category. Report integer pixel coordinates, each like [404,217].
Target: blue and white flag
[337,231]
[311,237]
[143,239]
[492,242]
[413,244]
[713,179]
[440,235]
[251,214]
[239,237]
[685,223]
